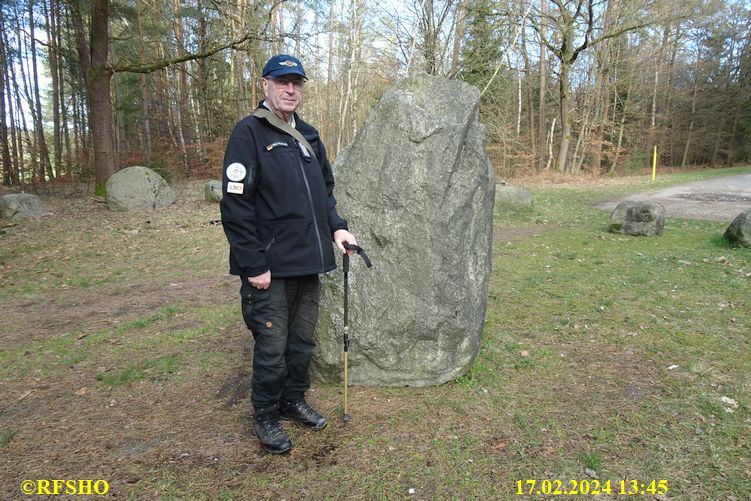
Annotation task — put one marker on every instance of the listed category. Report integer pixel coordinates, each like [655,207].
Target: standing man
[279,215]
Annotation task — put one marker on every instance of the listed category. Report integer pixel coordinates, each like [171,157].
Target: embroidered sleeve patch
[236,172]
[236,188]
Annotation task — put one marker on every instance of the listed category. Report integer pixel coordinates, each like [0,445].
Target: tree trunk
[277,27]
[653,132]
[184,121]
[550,146]
[51,24]
[729,150]
[346,96]
[429,40]
[716,149]
[27,84]
[177,121]
[532,130]
[145,93]
[202,96]
[65,137]
[630,83]
[541,132]
[330,75]
[97,74]
[8,174]
[45,167]
[591,103]
[61,66]
[611,15]
[238,64]
[9,112]
[163,103]
[563,91]
[253,87]
[461,16]
[672,132]
[359,15]
[694,94]
[81,137]
[120,139]
[101,115]
[19,129]
[298,28]
[77,129]
[161,107]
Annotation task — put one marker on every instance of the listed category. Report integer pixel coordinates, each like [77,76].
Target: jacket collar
[292,122]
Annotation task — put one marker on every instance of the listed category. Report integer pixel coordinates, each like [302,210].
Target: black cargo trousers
[282,319]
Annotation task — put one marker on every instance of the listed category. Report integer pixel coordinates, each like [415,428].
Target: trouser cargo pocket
[254,302]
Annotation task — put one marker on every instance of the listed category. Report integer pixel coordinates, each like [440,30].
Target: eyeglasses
[282,83]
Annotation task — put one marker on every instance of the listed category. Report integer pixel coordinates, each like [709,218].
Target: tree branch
[158,65]
[513,44]
[555,50]
[590,28]
[621,31]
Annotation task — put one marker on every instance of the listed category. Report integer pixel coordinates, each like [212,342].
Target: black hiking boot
[300,411]
[268,429]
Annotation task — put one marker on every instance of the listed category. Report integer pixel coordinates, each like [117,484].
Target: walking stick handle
[359,251]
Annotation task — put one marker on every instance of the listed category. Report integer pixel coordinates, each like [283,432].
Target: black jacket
[278,208]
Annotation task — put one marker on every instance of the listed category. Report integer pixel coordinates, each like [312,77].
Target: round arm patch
[236,172]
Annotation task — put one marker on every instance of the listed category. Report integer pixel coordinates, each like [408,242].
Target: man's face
[284,93]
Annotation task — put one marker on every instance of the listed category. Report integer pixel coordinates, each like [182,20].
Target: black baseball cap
[281,65]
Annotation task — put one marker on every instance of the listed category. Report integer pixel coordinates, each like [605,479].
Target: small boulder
[739,231]
[511,197]
[638,219]
[138,188]
[212,191]
[20,206]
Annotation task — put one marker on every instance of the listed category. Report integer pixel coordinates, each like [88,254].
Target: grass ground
[123,357]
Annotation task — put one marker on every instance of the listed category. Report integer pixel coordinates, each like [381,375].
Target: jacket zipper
[313,212]
[268,246]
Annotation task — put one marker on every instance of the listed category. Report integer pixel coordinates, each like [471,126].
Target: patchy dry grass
[123,357]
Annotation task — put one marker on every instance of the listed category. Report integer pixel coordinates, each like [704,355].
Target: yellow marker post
[654,163]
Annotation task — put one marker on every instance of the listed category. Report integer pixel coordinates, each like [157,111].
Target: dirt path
[91,310]
[720,199]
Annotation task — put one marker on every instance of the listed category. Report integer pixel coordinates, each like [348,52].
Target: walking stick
[345,266]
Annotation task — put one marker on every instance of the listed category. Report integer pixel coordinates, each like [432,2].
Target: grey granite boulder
[638,219]
[512,197]
[417,189]
[739,231]
[138,188]
[212,191]
[20,206]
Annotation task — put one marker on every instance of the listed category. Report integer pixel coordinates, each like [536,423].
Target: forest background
[569,86]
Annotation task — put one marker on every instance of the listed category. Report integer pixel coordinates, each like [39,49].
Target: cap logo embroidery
[288,64]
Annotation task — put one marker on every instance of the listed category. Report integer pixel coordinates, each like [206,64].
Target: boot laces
[273,425]
[302,406]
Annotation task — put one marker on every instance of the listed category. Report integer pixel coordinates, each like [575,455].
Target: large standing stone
[739,231]
[138,188]
[638,219]
[417,188]
[20,206]
[212,191]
